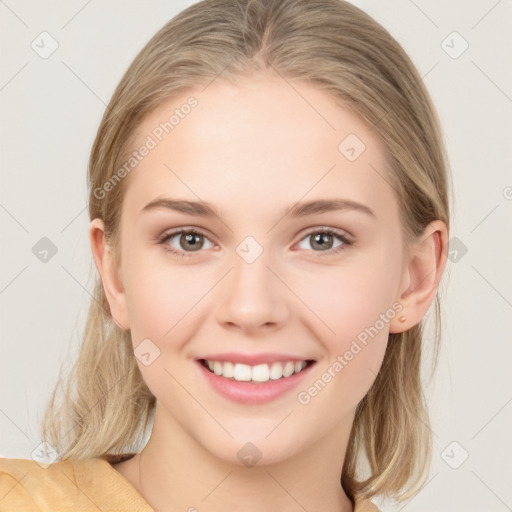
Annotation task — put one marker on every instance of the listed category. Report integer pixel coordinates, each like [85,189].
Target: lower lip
[253,392]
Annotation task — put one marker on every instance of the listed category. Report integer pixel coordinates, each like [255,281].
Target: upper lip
[253,359]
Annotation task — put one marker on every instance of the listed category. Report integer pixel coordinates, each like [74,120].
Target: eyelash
[183,254]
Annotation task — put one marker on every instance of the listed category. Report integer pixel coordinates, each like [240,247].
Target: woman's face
[255,279]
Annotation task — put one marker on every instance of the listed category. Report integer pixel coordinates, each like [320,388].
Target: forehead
[263,141]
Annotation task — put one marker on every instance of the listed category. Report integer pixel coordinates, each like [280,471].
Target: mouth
[259,373]
[255,384]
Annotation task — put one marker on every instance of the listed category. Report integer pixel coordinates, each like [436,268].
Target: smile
[253,384]
[258,373]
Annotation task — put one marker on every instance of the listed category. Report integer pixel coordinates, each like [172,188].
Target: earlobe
[110,275]
[421,276]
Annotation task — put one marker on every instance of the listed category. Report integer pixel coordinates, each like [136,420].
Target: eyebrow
[299,209]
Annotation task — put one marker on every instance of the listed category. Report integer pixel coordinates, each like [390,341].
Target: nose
[252,297]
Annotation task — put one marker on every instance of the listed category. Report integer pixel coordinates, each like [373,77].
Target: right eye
[189,238]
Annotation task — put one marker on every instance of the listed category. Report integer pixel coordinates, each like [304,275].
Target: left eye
[193,241]
[323,238]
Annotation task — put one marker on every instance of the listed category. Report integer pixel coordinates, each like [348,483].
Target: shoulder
[29,485]
[21,468]
[66,485]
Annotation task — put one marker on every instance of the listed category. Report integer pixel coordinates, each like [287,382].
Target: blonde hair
[338,47]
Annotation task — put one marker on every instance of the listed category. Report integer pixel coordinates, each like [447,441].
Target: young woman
[269,221]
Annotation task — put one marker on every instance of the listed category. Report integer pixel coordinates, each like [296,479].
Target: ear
[110,276]
[426,262]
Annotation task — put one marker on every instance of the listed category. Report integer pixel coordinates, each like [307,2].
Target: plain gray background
[51,109]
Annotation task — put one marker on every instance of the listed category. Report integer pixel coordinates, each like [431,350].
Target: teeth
[242,372]
[288,369]
[259,373]
[217,368]
[276,371]
[228,370]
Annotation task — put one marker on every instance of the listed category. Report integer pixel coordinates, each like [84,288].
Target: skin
[251,150]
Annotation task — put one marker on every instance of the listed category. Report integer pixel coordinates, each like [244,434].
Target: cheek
[353,307]
[352,296]
[160,295]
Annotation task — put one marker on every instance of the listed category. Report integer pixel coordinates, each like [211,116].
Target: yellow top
[72,485]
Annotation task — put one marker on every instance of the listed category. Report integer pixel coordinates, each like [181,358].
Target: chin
[248,450]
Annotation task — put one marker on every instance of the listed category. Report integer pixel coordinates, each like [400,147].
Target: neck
[174,472]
